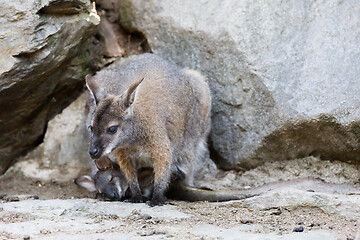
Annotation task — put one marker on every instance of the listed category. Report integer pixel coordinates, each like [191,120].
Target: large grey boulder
[42,67]
[283,74]
[63,154]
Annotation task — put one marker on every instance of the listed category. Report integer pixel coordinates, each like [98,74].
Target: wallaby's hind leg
[131,176]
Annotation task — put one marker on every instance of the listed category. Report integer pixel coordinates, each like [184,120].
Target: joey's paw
[135,200]
[155,202]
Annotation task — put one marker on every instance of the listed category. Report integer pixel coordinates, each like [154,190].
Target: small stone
[246,221]
[147,233]
[298,229]
[11,199]
[315,225]
[300,222]
[135,212]
[26,237]
[146,216]
[276,212]
[36,197]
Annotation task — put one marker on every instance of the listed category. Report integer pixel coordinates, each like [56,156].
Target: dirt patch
[206,220]
[18,185]
[10,217]
[282,221]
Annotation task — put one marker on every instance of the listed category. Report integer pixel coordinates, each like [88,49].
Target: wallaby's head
[112,183]
[112,124]
[108,181]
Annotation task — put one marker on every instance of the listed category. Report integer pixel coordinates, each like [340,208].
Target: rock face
[42,67]
[284,75]
[63,154]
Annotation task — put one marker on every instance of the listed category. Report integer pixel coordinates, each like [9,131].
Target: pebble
[300,222]
[26,237]
[36,197]
[314,224]
[298,229]
[276,212]
[246,221]
[146,216]
[11,199]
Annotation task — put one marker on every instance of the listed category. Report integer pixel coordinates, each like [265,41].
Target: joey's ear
[129,94]
[104,163]
[86,182]
[94,88]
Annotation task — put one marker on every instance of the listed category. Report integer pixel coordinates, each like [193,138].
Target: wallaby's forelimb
[131,176]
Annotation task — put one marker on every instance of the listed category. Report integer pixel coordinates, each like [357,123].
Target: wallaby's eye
[112,129]
[90,128]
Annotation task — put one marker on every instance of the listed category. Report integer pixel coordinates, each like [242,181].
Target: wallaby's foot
[155,202]
[136,199]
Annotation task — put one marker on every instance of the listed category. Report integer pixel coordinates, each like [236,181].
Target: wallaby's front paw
[138,199]
[153,203]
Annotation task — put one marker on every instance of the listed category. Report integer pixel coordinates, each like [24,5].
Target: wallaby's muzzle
[94,152]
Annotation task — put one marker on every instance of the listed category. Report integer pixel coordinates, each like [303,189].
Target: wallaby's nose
[94,152]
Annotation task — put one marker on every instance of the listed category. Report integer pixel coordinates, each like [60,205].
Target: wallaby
[149,113]
[108,181]
[111,183]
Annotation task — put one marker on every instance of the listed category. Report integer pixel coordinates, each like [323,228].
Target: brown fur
[162,118]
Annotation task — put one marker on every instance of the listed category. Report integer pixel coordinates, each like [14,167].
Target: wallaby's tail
[193,194]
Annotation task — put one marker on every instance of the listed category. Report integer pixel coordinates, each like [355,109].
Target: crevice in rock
[110,40]
[61,7]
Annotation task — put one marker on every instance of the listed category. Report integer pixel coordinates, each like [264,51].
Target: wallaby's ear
[86,182]
[129,94]
[94,88]
[104,163]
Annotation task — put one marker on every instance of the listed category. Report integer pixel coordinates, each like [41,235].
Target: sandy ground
[324,210]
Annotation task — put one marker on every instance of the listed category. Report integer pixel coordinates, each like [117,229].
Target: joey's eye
[112,129]
[90,128]
[110,178]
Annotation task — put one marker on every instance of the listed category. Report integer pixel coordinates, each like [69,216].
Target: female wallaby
[149,113]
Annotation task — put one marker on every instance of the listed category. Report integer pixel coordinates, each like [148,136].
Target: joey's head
[108,182]
[111,183]
[112,124]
